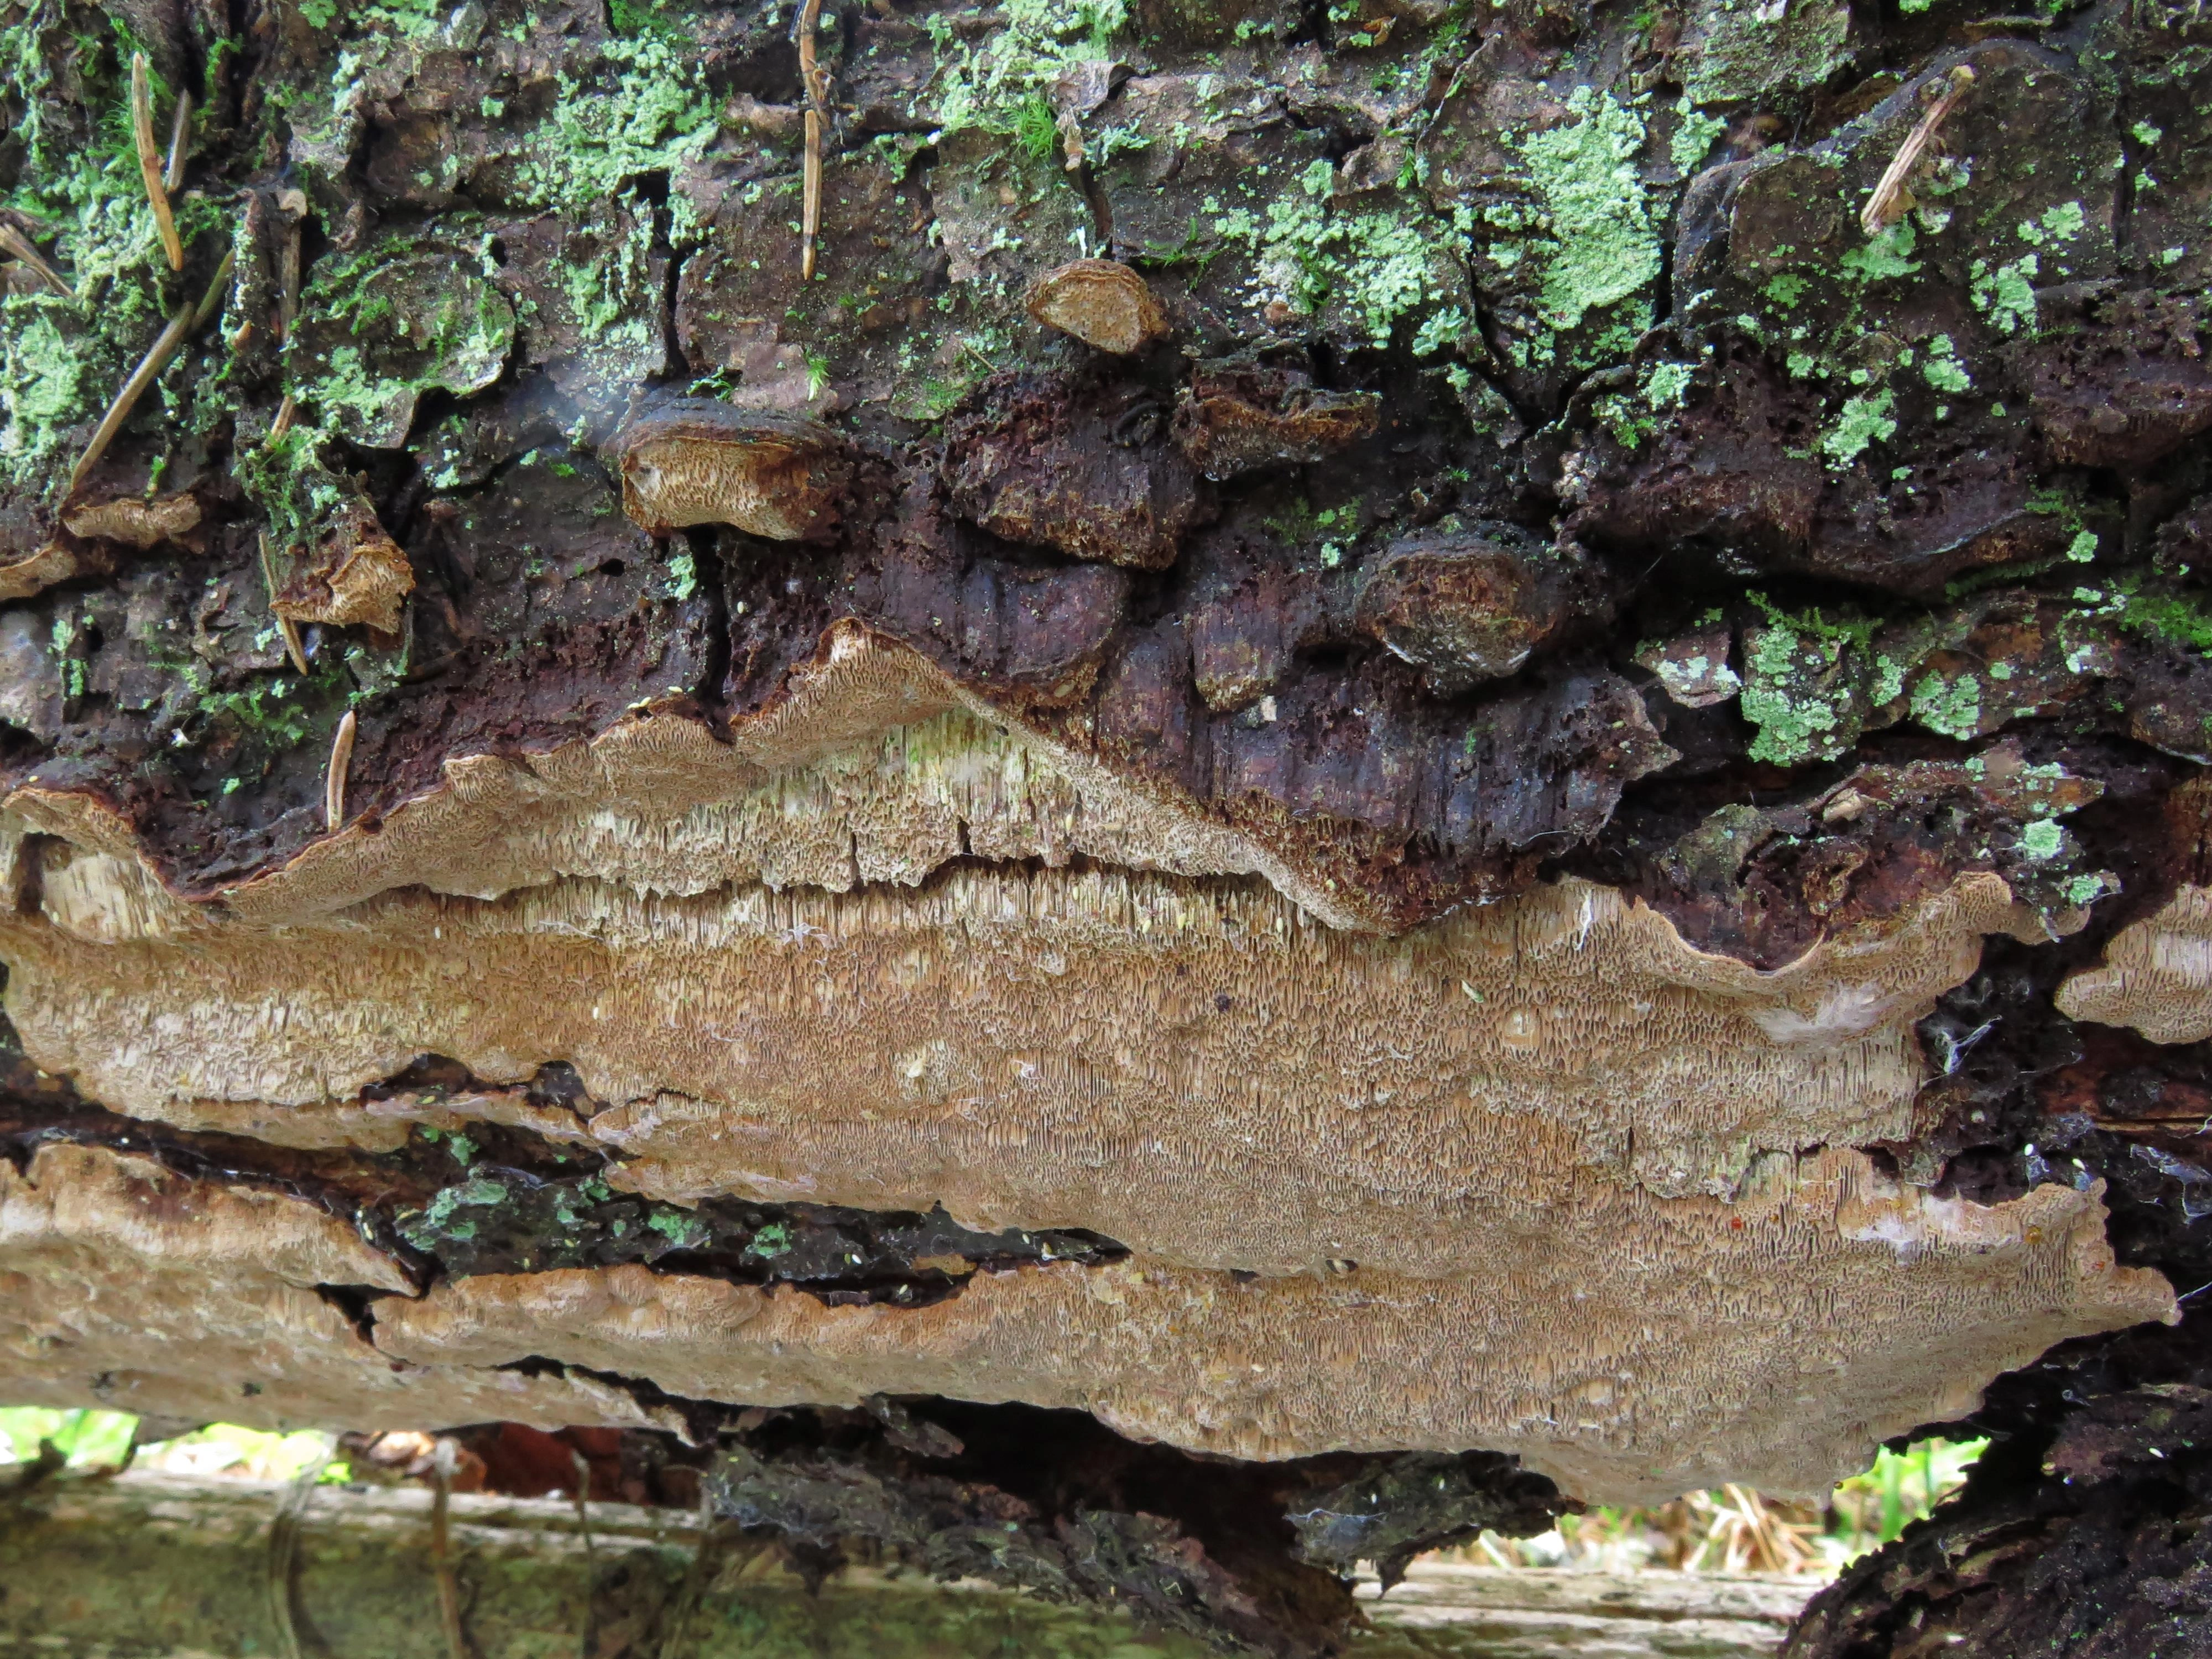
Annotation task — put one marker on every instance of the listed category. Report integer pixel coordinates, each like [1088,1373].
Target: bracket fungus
[1582,1109]
[694,461]
[1417,807]
[1100,302]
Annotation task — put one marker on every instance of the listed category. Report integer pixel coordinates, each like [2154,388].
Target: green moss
[2171,618]
[2042,840]
[1748,49]
[61,359]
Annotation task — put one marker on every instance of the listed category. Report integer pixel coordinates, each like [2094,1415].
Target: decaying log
[1411,762]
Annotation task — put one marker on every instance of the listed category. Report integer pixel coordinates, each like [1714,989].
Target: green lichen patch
[1581,247]
[992,84]
[380,328]
[642,108]
[1744,51]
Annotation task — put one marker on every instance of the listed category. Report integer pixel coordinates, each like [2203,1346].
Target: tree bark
[1430,759]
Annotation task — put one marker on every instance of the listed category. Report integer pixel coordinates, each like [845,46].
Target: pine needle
[181,138]
[156,359]
[817,99]
[285,625]
[150,159]
[334,780]
[22,247]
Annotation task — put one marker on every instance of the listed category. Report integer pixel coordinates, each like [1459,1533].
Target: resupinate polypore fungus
[1596,1223]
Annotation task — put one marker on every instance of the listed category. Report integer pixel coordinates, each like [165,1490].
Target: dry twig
[441,1461]
[1887,204]
[150,159]
[582,1466]
[817,102]
[285,625]
[293,204]
[22,247]
[334,786]
[283,1550]
[156,359]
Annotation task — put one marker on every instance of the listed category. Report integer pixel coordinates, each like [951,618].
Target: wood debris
[817,105]
[1889,201]
[20,247]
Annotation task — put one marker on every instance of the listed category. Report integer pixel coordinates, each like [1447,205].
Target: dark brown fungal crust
[1234,417]
[694,461]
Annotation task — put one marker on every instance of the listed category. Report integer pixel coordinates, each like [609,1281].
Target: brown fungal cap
[1101,303]
[695,461]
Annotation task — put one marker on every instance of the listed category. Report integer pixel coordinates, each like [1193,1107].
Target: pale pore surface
[2156,974]
[1844,1310]
[1197,1069]
[127,1286]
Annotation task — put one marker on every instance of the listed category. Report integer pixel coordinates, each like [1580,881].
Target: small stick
[441,1466]
[334,787]
[582,1466]
[150,159]
[181,136]
[155,359]
[12,241]
[283,1549]
[293,204]
[817,95]
[150,365]
[285,625]
[1886,205]
[287,413]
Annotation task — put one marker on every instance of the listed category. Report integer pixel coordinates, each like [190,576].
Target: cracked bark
[1378,738]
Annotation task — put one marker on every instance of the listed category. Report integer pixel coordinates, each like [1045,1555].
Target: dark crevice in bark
[486,1198]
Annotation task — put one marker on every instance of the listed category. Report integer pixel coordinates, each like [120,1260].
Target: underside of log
[162,1566]
[1429,759]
